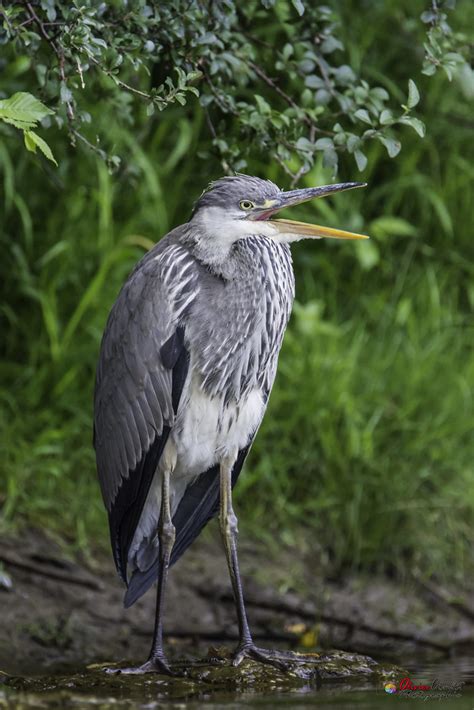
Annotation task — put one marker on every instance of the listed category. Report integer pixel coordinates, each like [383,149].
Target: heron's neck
[214,238]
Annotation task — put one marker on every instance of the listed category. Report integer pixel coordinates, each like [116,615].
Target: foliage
[365,452]
[441,47]
[24,111]
[296,103]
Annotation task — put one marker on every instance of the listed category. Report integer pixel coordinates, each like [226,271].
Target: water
[364,697]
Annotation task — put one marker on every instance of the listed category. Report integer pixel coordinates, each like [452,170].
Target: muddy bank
[58,612]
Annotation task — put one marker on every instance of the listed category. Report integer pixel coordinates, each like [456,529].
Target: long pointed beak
[296,197]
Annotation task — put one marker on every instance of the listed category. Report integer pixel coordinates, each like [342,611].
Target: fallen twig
[28,566]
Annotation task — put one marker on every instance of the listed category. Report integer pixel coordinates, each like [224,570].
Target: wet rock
[208,678]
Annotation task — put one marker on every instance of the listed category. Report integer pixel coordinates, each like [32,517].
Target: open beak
[296,197]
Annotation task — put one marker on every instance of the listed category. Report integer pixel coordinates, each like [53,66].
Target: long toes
[269,658]
[112,671]
[154,666]
[163,668]
[260,655]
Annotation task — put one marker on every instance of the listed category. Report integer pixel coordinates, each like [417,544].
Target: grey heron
[187,362]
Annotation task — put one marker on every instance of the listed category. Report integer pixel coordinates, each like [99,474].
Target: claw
[238,658]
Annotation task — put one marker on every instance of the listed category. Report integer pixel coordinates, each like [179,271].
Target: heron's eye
[246,205]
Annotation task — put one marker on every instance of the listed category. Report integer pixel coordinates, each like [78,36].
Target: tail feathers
[140,583]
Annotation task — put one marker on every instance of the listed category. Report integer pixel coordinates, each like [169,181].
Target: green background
[366,452]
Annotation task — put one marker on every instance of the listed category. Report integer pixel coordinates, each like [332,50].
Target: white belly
[207,430]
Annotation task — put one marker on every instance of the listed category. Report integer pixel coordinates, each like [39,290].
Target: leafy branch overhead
[272,78]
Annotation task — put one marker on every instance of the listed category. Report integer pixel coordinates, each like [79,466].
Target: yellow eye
[246,205]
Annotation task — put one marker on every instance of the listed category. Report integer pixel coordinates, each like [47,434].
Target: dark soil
[59,613]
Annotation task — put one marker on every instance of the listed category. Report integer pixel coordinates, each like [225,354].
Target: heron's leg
[228,524]
[229,530]
[157,662]
[167,535]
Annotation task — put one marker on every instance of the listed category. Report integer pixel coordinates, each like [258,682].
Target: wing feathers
[171,350]
[137,389]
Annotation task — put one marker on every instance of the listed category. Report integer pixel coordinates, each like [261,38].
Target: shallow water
[82,690]
[370,697]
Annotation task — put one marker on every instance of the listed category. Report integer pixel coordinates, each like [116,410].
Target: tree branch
[118,82]
[57,51]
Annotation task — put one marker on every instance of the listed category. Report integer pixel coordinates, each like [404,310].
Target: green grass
[367,445]
[366,452]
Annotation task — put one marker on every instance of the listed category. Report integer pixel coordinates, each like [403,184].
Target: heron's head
[240,206]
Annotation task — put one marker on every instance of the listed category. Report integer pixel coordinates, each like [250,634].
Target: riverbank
[60,611]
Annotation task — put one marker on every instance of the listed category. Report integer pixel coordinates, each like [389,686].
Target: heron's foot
[277,659]
[153,665]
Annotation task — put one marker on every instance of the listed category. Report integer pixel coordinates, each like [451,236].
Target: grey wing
[141,372]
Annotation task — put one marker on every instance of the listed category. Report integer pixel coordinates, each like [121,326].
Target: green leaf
[344,75]
[447,71]
[413,94]
[48,5]
[288,50]
[33,141]
[330,44]
[197,74]
[263,107]
[352,142]
[415,123]
[22,124]
[465,77]
[304,145]
[428,16]
[23,110]
[386,117]
[393,146]
[306,66]
[379,93]
[360,159]
[324,144]
[392,226]
[454,58]
[314,82]
[306,98]
[299,6]
[322,97]
[363,115]
[340,139]
[429,69]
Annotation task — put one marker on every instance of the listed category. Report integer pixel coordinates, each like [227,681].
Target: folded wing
[141,373]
